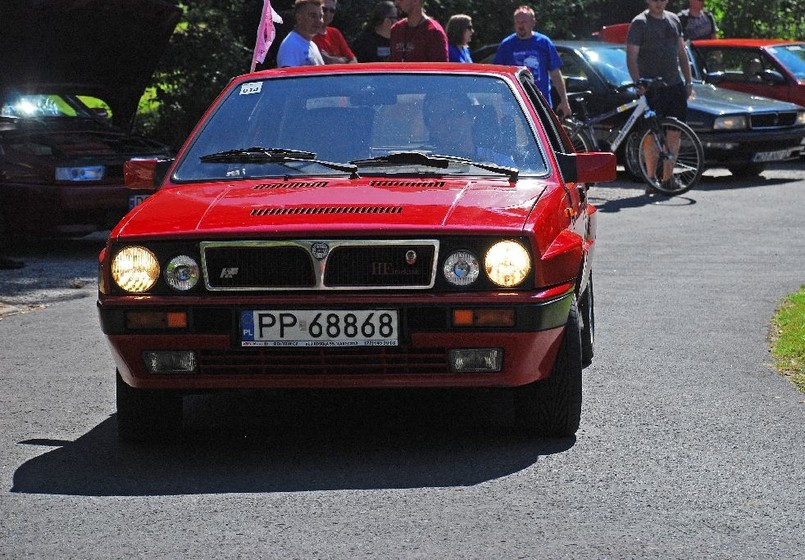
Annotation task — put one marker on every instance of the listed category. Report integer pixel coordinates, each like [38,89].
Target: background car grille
[291,265]
[773,120]
[326,361]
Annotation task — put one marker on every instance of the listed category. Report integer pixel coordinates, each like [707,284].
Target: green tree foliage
[215,40]
[774,19]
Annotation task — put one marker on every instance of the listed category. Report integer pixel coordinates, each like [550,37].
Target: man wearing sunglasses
[655,49]
[334,48]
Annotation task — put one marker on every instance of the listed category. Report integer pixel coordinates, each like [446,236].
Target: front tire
[747,170]
[587,317]
[552,407]
[689,164]
[147,414]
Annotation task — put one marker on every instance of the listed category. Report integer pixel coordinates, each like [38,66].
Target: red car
[375,225]
[765,67]
[71,75]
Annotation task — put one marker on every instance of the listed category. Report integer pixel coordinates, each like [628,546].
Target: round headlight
[461,268]
[507,263]
[182,273]
[135,269]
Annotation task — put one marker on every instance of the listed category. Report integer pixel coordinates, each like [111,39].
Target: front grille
[386,265]
[325,361]
[319,265]
[773,120]
[257,267]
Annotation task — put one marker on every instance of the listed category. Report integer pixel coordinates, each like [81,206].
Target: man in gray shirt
[655,49]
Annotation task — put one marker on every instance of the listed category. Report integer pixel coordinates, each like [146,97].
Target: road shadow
[303,441]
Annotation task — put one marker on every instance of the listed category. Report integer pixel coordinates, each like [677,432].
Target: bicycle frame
[641,108]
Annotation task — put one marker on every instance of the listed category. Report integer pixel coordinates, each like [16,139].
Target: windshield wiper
[258,154]
[435,160]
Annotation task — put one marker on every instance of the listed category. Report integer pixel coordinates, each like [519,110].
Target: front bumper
[421,359]
[736,148]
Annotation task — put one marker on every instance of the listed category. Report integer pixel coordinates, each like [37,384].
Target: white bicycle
[642,130]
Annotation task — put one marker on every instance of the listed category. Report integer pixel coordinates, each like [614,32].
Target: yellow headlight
[507,263]
[135,269]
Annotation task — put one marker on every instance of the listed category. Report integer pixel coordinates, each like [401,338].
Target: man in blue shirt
[526,47]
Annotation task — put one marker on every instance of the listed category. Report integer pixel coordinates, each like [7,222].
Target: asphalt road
[690,446]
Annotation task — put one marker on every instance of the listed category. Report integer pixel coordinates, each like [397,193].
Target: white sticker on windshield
[251,87]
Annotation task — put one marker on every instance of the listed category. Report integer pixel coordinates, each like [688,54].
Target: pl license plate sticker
[251,87]
[319,327]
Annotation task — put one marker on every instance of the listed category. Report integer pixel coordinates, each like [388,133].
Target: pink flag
[265,33]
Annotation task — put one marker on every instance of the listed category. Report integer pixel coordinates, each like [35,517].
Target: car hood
[107,48]
[708,98]
[84,139]
[310,206]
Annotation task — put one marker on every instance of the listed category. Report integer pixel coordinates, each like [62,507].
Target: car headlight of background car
[80,174]
[731,122]
[801,118]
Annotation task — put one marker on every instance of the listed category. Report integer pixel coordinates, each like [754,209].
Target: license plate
[136,199]
[319,327]
[772,156]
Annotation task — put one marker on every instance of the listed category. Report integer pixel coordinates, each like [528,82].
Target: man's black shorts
[669,101]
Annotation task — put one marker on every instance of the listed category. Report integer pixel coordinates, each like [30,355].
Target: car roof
[396,68]
[743,42]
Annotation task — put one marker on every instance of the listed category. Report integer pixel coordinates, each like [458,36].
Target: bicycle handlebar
[648,83]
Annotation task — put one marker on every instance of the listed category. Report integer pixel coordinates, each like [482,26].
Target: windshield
[360,118]
[611,63]
[39,105]
[792,57]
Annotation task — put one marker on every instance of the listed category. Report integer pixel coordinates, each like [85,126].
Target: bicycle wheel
[689,163]
[578,136]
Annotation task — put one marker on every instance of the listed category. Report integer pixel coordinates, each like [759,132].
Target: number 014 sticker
[320,327]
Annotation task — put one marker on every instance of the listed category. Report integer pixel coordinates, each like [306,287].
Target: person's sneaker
[670,185]
[651,187]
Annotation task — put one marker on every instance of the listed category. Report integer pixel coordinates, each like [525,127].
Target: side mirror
[145,173]
[773,77]
[576,84]
[588,167]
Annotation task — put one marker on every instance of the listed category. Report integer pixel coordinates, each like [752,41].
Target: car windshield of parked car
[42,105]
[363,118]
[610,63]
[792,57]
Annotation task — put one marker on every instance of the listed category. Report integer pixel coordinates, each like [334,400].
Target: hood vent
[417,184]
[292,185]
[319,210]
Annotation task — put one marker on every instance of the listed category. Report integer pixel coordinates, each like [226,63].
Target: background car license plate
[136,200]
[319,327]
[772,156]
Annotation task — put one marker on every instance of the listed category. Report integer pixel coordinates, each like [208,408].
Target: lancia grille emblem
[410,257]
[319,249]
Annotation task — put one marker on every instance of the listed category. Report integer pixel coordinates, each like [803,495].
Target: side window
[559,140]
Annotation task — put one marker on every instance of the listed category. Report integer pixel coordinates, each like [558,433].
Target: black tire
[689,164]
[578,136]
[552,407]
[587,317]
[631,156]
[147,414]
[747,170]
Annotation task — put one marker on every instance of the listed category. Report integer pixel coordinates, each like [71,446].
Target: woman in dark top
[372,45]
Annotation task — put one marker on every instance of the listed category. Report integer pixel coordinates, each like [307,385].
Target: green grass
[788,338]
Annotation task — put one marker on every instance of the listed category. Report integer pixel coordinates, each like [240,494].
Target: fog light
[170,361]
[476,360]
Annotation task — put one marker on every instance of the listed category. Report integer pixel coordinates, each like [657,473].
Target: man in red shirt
[417,37]
[334,48]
